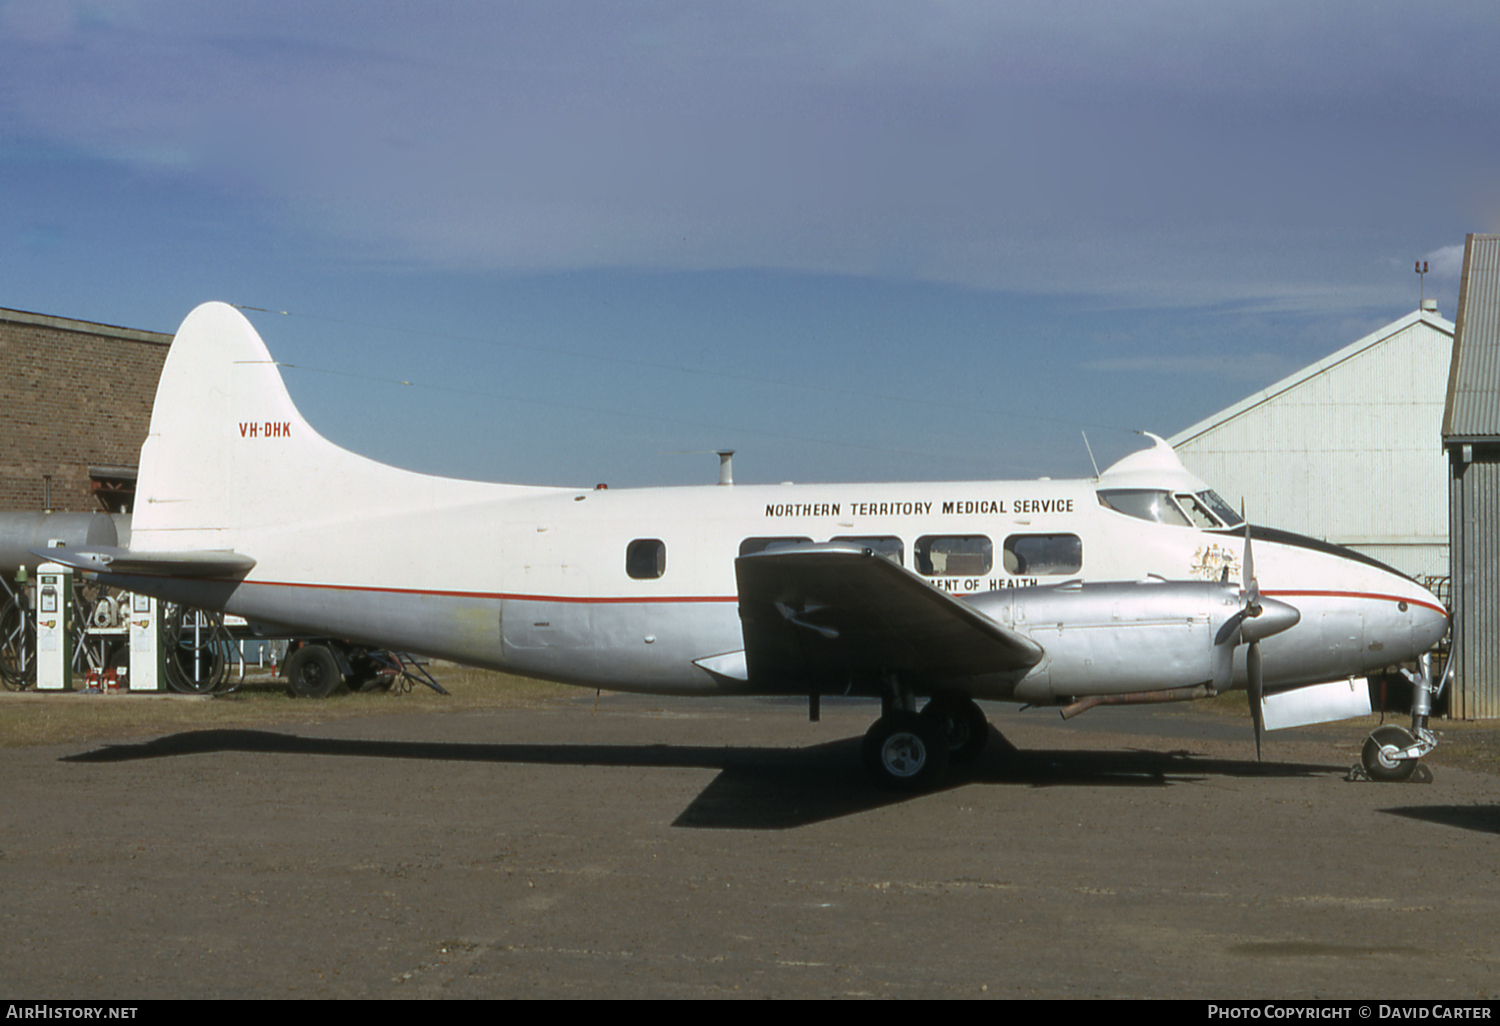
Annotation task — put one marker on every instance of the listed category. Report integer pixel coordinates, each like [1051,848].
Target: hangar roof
[1473,409]
[1286,384]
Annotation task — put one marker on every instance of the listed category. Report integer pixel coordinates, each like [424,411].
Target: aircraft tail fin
[229,461]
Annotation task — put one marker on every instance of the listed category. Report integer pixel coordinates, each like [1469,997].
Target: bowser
[54,628]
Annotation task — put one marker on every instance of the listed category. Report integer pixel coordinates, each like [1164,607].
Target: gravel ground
[563,844]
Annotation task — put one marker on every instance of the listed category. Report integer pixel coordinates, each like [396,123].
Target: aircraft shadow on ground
[756,788]
[1484,818]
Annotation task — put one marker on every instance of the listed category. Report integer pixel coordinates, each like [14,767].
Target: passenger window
[882,545]
[953,555]
[1039,554]
[750,545]
[646,558]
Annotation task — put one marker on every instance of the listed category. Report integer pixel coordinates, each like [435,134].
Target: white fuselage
[538,583]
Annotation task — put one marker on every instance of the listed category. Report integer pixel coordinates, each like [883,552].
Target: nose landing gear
[1391,753]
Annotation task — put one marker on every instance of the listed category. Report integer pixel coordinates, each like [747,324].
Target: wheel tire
[903,752]
[1376,756]
[367,675]
[962,724]
[313,672]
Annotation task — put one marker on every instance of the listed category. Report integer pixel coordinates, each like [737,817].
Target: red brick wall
[72,395]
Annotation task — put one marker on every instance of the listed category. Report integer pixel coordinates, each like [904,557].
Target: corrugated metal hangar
[1347,450]
[1471,438]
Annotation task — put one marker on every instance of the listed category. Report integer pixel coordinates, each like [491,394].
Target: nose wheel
[1383,755]
[1392,754]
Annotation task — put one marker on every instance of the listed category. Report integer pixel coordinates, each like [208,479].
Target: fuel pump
[54,628]
[147,659]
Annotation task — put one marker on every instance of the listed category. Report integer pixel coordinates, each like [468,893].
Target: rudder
[224,440]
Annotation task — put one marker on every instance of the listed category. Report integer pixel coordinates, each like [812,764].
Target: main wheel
[961,724]
[904,752]
[313,672]
[1379,754]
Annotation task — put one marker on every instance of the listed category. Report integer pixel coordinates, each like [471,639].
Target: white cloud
[1157,153]
[1251,367]
[1447,262]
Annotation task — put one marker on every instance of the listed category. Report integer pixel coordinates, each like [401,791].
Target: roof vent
[1429,306]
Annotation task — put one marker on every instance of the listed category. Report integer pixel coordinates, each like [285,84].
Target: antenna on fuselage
[1090,449]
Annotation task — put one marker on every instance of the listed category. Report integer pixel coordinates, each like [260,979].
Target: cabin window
[646,558]
[888,546]
[953,555]
[1039,554]
[750,545]
[1144,504]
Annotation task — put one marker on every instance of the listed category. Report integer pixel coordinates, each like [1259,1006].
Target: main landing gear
[910,751]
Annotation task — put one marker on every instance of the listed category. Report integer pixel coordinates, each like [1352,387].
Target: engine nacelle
[1120,638]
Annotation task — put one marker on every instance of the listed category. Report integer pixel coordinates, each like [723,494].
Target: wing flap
[825,612]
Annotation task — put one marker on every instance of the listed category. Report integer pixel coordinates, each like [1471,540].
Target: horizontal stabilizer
[205,563]
[821,613]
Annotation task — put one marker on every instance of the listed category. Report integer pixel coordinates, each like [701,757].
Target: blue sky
[852,240]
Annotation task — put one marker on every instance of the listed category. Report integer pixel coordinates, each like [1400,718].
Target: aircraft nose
[1428,625]
[1414,612]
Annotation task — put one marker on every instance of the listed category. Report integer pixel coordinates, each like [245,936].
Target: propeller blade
[1251,587]
[1256,691]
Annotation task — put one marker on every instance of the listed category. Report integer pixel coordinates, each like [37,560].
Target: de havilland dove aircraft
[1137,586]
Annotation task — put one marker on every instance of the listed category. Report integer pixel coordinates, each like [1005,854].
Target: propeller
[1258,618]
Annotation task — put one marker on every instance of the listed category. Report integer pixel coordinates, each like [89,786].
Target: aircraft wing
[202,563]
[826,613]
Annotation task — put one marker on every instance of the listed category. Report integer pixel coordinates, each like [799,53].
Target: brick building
[75,404]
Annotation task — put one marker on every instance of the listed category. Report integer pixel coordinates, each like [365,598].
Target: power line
[943,404]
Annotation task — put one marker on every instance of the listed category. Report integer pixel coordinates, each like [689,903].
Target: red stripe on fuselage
[498,595]
[1358,595]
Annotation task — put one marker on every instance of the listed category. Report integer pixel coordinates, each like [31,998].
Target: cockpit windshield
[1144,504]
[1203,510]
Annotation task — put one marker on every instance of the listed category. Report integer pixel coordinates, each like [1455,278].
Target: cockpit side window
[1222,509]
[1197,512]
[1144,504]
